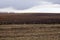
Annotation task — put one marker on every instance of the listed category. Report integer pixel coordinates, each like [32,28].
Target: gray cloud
[54,1]
[23,4]
[18,4]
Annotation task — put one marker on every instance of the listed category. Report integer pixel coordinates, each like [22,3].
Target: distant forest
[29,18]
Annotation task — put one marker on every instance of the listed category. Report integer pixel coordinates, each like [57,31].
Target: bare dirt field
[30,32]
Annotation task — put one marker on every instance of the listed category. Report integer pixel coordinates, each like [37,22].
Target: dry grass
[30,32]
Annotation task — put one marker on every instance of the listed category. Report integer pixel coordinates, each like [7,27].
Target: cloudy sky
[29,5]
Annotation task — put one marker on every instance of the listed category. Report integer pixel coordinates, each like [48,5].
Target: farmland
[30,32]
[29,26]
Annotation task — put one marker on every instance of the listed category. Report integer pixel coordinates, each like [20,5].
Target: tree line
[46,21]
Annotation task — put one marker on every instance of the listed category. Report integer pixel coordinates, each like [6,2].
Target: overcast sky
[30,5]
